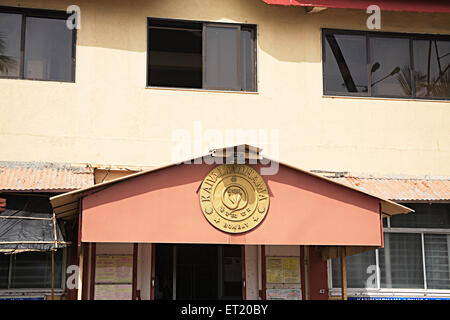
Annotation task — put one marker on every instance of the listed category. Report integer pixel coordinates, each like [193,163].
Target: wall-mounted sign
[234,198]
[113,277]
[113,291]
[283,294]
[113,268]
[283,269]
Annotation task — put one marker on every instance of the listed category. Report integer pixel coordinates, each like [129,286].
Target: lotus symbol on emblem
[234,198]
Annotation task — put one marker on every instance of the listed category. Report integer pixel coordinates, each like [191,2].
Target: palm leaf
[6,62]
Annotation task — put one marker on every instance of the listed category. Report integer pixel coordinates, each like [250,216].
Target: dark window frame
[203,24]
[59,277]
[39,13]
[379,34]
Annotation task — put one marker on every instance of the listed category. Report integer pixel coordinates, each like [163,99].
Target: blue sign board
[21,298]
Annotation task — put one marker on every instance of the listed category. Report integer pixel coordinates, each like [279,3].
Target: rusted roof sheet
[50,177]
[401,189]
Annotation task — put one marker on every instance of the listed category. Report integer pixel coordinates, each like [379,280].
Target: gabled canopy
[162,206]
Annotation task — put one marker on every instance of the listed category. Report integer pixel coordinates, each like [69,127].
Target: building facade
[119,88]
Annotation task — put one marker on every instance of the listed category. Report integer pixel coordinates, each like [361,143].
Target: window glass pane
[48,49]
[432,68]
[175,54]
[247,59]
[401,261]
[34,270]
[10,34]
[4,269]
[222,58]
[436,215]
[437,261]
[390,66]
[361,269]
[345,63]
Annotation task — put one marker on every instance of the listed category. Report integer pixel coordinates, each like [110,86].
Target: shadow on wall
[281,32]
[286,33]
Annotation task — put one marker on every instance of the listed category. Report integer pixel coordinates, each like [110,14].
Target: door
[196,272]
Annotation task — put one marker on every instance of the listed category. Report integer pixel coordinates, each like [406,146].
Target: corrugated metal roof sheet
[401,189]
[30,176]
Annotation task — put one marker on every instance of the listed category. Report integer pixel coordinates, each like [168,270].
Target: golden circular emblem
[234,198]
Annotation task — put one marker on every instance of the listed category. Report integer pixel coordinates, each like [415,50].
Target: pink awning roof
[437,6]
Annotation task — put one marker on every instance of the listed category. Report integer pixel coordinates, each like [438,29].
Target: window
[357,266]
[202,55]
[432,64]
[32,270]
[378,64]
[415,254]
[401,261]
[437,255]
[36,44]
[390,67]
[346,64]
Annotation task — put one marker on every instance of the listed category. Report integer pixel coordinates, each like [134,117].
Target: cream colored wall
[109,117]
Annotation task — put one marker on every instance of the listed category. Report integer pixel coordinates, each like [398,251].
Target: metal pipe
[53,275]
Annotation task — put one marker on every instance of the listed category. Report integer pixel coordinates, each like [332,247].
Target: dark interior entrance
[198,272]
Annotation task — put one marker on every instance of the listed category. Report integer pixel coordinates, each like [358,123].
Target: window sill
[201,90]
[386,293]
[36,80]
[385,98]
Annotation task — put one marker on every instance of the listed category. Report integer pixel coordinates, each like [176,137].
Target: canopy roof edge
[66,204]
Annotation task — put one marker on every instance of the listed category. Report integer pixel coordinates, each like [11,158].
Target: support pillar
[135,262]
[93,266]
[343,275]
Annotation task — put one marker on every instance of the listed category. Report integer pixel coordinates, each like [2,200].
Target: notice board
[113,277]
[282,269]
[113,291]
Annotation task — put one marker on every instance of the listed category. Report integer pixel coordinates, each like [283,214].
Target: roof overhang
[432,6]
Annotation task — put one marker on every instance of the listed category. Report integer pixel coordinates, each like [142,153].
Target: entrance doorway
[191,272]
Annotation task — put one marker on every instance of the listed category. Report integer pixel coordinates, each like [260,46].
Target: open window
[184,54]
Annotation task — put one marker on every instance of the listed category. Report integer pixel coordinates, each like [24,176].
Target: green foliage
[6,63]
